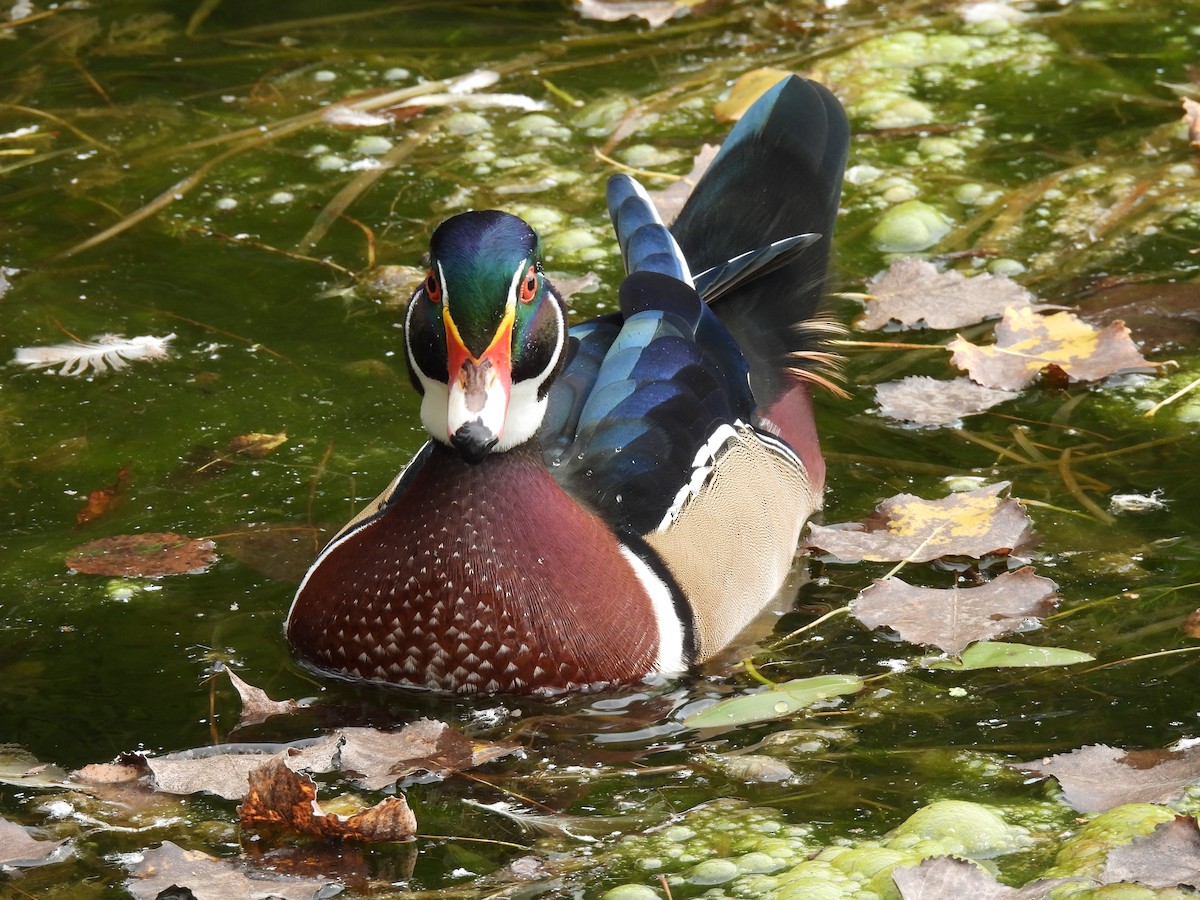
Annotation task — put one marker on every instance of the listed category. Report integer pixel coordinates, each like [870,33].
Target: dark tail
[778,175]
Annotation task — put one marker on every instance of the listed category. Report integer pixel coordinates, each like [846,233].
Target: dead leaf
[944,877]
[921,400]
[256,705]
[1162,317]
[225,771]
[1027,343]
[283,552]
[953,618]
[748,88]
[101,501]
[973,523]
[1098,777]
[1191,625]
[670,200]
[1166,857]
[142,555]
[656,12]
[19,848]
[256,444]
[912,293]
[1191,115]
[279,797]
[382,758]
[209,878]
[111,773]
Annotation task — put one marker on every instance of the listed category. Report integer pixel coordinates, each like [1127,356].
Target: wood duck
[617,500]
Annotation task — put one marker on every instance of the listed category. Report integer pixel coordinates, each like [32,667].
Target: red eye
[529,285]
[433,288]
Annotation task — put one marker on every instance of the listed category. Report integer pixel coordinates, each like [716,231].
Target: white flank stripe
[701,467]
[670,630]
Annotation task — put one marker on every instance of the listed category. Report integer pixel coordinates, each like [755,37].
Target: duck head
[485,334]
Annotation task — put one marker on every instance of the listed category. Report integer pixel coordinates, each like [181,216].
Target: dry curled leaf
[931,402]
[951,619]
[279,797]
[256,705]
[1027,343]
[142,555]
[1098,777]
[973,523]
[155,871]
[912,293]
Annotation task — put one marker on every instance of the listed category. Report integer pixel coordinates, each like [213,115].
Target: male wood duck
[602,503]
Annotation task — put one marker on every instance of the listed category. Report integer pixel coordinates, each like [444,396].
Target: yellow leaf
[745,91]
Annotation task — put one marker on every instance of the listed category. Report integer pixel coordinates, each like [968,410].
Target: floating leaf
[912,293]
[656,12]
[225,770]
[953,618]
[19,848]
[1027,343]
[22,769]
[938,877]
[101,501]
[105,352]
[1098,777]
[1167,857]
[972,523]
[155,872]
[921,400]
[748,88]
[999,655]
[381,758]
[256,705]
[670,200]
[776,702]
[278,797]
[142,555]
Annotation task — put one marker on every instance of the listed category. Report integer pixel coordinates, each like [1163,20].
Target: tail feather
[778,175]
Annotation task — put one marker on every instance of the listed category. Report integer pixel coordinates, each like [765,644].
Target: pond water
[1048,135]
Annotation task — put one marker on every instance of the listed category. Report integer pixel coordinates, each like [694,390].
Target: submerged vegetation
[211,218]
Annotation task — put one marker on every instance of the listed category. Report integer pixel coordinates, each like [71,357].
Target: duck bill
[479,389]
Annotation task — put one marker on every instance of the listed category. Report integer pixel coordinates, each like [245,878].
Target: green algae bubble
[714,871]
[958,826]
[631,892]
[909,227]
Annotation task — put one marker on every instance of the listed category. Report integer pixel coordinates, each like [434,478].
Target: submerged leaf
[999,655]
[1027,343]
[107,351]
[280,797]
[972,523]
[777,702]
[1098,777]
[912,293]
[154,872]
[922,400]
[99,502]
[954,618]
[257,444]
[142,555]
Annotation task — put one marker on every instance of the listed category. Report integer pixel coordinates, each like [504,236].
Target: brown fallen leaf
[953,618]
[225,771]
[1166,857]
[1027,343]
[975,523]
[1098,777]
[670,200]
[279,797]
[102,501]
[209,878]
[283,552]
[1163,317]
[256,444]
[382,758]
[748,88]
[19,848]
[656,12]
[1191,625]
[949,878]
[142,555]
[256,705]
[931,402]
[1191,115]
[913,293]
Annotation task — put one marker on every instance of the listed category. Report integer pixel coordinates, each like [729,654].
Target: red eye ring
[433,287]
[529,285]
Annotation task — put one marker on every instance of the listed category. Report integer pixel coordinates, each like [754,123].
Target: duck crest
[485,578]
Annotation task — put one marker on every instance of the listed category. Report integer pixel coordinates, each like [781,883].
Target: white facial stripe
[670,659]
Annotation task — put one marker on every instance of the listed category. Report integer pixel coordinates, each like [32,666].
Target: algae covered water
[258,185]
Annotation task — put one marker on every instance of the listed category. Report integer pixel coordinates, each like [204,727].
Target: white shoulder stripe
[670,630]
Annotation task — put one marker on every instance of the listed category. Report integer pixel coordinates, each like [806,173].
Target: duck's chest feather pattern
[488,578]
